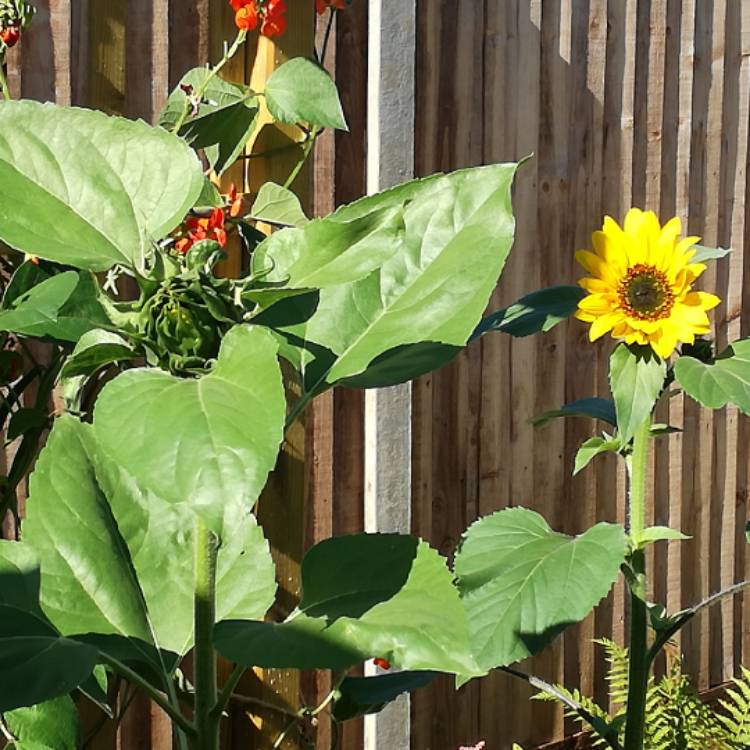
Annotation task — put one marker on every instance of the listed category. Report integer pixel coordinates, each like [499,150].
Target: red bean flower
[268,14]
[10,36]
[199,228]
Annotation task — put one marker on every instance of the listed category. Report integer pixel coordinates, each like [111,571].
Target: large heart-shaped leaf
[203,444]
[88,190]
[301,91]
[636,377]
[522,583]
[36,663]
[117,560]
[456,233]
[725,381]
[52,725]
[63,307]
[364,596]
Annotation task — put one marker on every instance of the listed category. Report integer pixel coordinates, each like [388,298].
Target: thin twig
[124,671]
[682,618]
[605,732]
[250,701]
[227,691]
[332,13]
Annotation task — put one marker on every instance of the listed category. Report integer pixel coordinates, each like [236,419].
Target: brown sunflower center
[645,293]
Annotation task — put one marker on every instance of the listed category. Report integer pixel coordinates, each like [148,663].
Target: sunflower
[640,284]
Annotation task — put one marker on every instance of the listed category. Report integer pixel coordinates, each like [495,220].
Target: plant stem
[131,676]
[329,26]
[201,90]
[227,692]
[306,150]
[638,646]
[207,725]
[4,81]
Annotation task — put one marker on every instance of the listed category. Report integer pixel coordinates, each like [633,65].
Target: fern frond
[736,717]
[617,675]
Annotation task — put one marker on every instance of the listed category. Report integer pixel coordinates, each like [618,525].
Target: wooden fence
[622,102]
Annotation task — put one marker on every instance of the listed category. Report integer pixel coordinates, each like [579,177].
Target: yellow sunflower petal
[611,249]
[597,303]
[603,324]
[664,342]
[596,266]
[594,285]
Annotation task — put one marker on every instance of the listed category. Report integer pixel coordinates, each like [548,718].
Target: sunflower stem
[638,670]
[206,721]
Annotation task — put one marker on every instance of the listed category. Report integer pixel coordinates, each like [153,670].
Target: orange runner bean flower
[10,36]
[201,228]
[269,14]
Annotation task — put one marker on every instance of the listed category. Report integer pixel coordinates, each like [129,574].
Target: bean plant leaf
[81,188]
[359,696]
[595,408]
[301,91]
[203,444]
[522,583]
[537,312]
[62,307]
[127,582]
[221,124]
[725,381]
[36,662]
[636,377]
[376,595]
[52,725]
[27,419]
[277,205]
[449,238]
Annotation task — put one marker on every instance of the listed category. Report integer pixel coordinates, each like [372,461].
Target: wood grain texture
[631,102]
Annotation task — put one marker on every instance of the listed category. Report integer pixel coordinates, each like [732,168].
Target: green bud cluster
[183,322]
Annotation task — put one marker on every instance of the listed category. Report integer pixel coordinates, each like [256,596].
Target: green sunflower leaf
[725,381]
[522,583]
[636,377]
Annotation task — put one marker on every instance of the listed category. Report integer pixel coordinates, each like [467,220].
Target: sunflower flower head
[640,284]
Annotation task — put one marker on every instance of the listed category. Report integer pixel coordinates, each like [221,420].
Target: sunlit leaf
[88,190]
[522,583]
